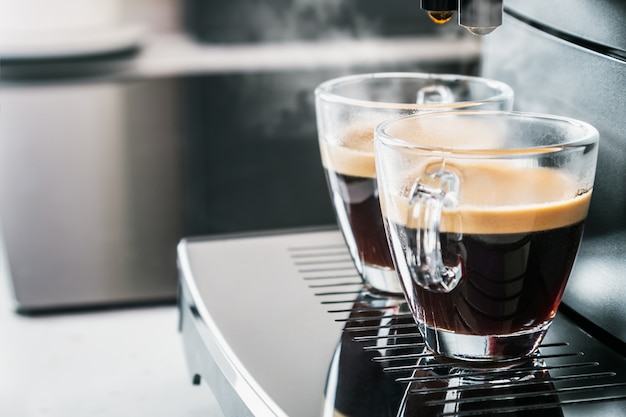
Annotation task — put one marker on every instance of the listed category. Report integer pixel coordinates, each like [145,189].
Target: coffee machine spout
[479,17]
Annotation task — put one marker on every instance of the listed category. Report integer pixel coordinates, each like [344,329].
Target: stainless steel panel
[255,334]
[90,191]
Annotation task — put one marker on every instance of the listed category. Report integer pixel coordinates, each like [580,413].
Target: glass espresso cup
[484,213]
[348,110]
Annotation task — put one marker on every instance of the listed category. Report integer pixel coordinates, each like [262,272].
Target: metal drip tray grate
[381,366]
[278,324]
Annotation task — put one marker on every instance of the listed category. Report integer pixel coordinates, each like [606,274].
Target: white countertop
[126,362]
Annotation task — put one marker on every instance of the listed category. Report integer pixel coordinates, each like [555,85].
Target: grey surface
[266,344]
[600,22]
[257,337]
[553,76]
[90,184]
[597,288]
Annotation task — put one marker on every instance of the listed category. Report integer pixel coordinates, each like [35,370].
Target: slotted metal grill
[381,366]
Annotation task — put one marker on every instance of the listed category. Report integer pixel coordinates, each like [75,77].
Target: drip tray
[279,325]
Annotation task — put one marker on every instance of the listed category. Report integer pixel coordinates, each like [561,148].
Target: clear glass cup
[348,110]
[484,213]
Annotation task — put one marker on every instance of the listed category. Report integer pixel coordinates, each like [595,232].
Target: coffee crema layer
[353,156]
[351,174]
[498,197]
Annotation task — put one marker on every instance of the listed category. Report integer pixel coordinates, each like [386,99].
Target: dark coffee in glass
[348,111]
[485,213]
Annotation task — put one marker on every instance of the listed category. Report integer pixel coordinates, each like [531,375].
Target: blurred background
[126,125]
[129,124]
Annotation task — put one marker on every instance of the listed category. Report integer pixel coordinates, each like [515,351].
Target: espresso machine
[277,323]
[571,63]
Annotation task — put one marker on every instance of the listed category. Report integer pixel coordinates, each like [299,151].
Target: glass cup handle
[431,193]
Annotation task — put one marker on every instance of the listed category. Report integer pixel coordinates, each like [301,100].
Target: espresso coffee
[358,198]
[351,175]
[515,234]
[511,282]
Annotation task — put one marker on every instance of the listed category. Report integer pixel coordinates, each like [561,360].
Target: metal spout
[480,17]
[439,11]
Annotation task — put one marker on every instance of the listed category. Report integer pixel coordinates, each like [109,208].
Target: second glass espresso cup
[348,110]
[484,212]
